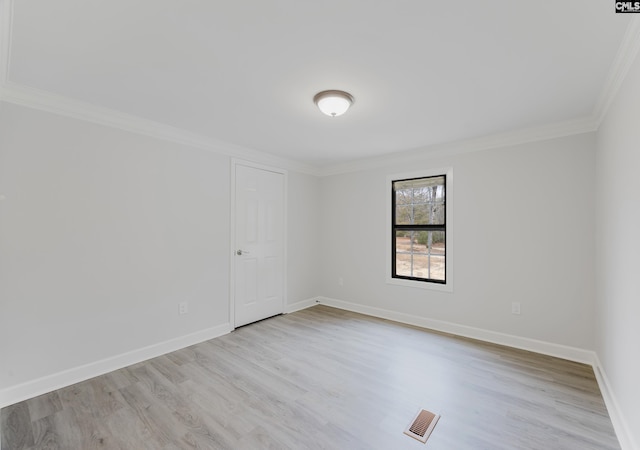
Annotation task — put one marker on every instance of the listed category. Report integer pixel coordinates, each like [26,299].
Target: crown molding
[53,103]
[57,104]
[65,106]
[627,53]
[6,25]
[517,137]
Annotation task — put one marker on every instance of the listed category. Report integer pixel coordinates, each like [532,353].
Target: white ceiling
[245,72]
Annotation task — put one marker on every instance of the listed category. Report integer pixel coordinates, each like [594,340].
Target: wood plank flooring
[328,379]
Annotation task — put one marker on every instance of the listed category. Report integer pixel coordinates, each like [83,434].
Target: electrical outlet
[340,281]
[515,307]
[184,307]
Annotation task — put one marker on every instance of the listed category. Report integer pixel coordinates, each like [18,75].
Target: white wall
[103,233]
[618,239]
[304,238]
[523,231]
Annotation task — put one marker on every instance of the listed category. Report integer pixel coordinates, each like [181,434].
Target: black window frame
[412,227]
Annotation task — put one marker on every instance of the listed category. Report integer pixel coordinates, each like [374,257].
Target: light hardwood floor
[323,378]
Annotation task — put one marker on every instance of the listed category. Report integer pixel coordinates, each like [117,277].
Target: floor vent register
[422,425]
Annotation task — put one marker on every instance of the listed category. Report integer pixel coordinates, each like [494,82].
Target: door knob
[241,252]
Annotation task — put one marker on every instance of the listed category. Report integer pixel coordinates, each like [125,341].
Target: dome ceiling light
[333,103]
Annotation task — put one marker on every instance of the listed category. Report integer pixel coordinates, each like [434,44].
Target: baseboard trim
[303,304]
[30,389]
[620,425]
[532,345]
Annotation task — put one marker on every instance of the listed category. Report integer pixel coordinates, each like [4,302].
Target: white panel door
[259,249]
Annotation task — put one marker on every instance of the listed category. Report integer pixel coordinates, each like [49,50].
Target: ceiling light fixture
[333,103]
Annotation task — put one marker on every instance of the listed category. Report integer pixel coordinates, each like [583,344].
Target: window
[419,229]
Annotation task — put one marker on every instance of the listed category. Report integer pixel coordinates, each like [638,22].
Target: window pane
[420,254]
[404,196]
[421,213]
[420,201]
[404,244]
[419,182]
[404,214]
[420,266]
[437,258]
[437,213]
